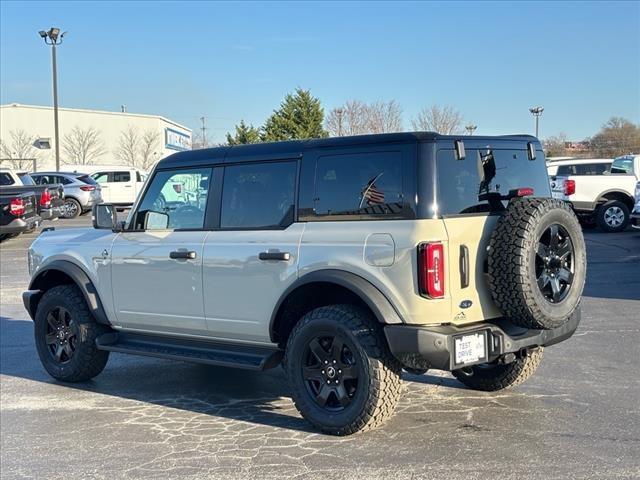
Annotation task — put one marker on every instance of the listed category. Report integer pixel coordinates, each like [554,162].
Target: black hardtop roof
[295,148]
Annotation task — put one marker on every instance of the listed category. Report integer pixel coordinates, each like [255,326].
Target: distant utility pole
[536,112]
[204,135]
[471,128]
[53,37]
[339,113]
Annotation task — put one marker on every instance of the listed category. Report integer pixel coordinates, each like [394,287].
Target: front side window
[179,194]
[258,195]
[359,184]
[101,177]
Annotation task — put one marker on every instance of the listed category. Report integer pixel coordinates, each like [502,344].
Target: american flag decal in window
[372,194]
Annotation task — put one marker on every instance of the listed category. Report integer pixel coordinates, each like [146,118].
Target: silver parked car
[81,191]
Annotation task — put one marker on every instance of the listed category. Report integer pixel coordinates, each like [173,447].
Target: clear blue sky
[232,61]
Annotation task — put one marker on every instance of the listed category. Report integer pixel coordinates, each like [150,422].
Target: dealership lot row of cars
[28,199]
[603,192]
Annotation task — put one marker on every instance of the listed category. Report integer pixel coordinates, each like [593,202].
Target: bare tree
[556,146]
[129,146]
[198,142]
[19,150]
[618,136]
[443,120]
[356,118]
[385,117]
[83,146]
[149,149]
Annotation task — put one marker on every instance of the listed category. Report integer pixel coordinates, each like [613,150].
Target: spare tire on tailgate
[537,263]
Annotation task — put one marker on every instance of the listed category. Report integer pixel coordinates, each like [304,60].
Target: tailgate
[467,259]
[557,187]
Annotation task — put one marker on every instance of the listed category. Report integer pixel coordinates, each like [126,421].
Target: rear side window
[583,169]
[258,196]
[121,176]
[461,191]
[87,179]
[360,184]
[5,179]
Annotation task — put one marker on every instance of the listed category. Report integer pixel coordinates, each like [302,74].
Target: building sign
[175,140]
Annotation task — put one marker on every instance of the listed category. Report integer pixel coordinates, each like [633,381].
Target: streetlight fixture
[53,37]
[536,112]
[471,128]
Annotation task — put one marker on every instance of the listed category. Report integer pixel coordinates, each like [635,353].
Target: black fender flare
[79,277]
[379,304]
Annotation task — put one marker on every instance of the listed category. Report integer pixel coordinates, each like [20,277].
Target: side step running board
[196,351]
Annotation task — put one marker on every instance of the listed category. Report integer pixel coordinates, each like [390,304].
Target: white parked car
[120,186]
[605,198]
[635,215]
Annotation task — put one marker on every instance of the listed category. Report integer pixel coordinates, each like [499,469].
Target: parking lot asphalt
[578,417]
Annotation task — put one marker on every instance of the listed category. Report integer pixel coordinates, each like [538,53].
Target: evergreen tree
[244,134]
[300,116]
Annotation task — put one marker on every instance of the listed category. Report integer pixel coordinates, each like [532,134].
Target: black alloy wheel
[62,335]
[330,372]
[555,263]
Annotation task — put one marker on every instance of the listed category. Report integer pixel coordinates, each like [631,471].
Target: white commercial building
[87,137]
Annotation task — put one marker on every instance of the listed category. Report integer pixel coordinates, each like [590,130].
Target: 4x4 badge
[466,303]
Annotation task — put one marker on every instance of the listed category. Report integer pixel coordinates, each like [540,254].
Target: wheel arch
[326,287]
[61,272]
[619,195]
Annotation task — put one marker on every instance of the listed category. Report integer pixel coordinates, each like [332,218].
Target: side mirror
[104,216]
[156,220]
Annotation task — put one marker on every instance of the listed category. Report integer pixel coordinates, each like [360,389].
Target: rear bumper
[19,225]
[433,347]
[51,213]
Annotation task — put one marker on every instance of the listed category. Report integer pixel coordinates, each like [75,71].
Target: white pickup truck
[120,185]
[607,199]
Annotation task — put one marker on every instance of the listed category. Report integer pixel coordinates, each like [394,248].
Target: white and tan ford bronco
[343,259]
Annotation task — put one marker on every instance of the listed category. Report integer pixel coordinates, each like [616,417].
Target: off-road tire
[379,383]
[512,262]
[87,361]
[491,378]
[602,222]
[72,208]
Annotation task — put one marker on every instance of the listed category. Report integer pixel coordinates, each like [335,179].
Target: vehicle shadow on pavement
[261,398]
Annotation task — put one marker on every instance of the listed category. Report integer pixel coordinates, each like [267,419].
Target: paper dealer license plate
[470,348]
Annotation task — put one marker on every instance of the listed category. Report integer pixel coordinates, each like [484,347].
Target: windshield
[26,179]
[623,165]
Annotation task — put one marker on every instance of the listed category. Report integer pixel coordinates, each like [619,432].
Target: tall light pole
[470,128]
[53,37]
[536,112]
[339,113]
[204,135]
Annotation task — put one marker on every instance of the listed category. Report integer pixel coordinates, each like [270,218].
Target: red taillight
[177,187]
[88,188]
[45,199]
[524,192]
[16,207]
[569,187]
[431,269]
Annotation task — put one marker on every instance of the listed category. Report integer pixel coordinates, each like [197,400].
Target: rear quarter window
[461,191]
[5,179]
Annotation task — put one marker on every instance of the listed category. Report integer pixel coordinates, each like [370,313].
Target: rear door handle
[283,256]
[182,255]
